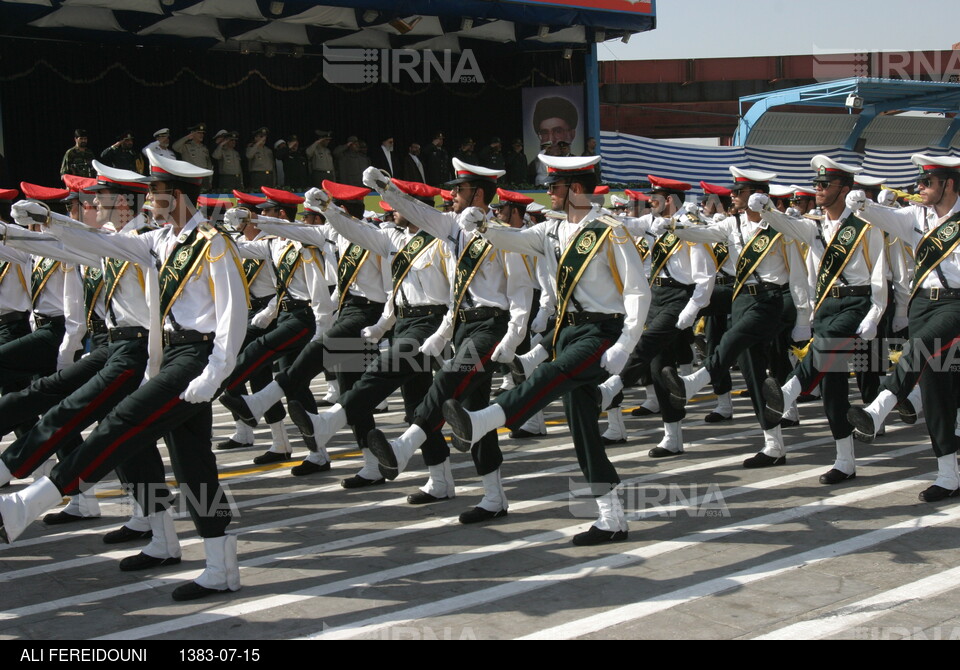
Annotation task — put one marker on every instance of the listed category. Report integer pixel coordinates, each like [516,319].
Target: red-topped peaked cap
[345,192]
[43,193]
[8,194]
[714,189]
[514,197]
[664,185]
[637,195]
[78,184]
[418,189]
[249,199]
[281,197]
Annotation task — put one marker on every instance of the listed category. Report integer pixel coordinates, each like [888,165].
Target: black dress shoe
[907,412]
[383,410]
[789,423]
[380,447]
[358,482]
[238,407]
[124,534]
[863,429]
[143,562]
[806,397]
[458,418]
[478,515]
[937,493]
[595,536]
[458,444]
[193,591]
[761,460]
[308,468]
[772,401]
[717,417]
[835,477]
[268,457]
[62,517]
[516,369]
[616,401]
[424,498]
[642,411]
[660,452]
[674,384]
[301,419]
[607,441]
[521,434]
[233,444]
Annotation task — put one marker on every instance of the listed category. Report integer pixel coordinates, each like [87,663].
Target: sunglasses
[926,182]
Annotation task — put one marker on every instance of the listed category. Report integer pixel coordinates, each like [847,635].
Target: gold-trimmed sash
[752,255]
[405,259]
[934,248]
[573,263]
[349,267]
[42,272]
[180,264]
[837,254]
[467,266]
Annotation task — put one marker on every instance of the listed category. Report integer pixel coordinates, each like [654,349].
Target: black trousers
[717,315]
[9,332]
[33,354]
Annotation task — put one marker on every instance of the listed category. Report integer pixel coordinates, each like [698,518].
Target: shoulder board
[207,230]
[610,220]
[814,217]
[557,216]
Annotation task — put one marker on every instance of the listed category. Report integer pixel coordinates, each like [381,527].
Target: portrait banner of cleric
[553,121]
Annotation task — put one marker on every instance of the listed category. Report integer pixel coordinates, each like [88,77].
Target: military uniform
[261,166]
[229,168]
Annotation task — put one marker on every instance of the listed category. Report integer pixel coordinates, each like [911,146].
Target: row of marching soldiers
[179,313]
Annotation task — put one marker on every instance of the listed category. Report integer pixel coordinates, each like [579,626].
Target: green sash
[752,254]
[837,254]
[720,252]
[643,247]
[577,256]
[4,268]
[404,260]
[92,285]
[180,264]
[467,265]
[665,246]
[348,268]
[42,272]
[251,268]
[934,248]
[290,260]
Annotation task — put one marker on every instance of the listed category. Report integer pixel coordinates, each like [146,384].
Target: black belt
[723,280]
[672,283]
[754,289]
[844,291]
[940,293]
[128,333]
[359,301]
[420,310]
[11,317]
[577,318]
[185,337]
[290,305]
[42,320]
[480,314]
[260,303]
[97,326]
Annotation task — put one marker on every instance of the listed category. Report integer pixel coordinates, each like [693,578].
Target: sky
[712,29]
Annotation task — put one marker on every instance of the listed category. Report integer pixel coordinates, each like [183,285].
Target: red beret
[207,201]
[43,193]
[248,198]
[385,206]
[713,189]
[344,192]
[601,190]
[417,189]
[8,194]
[281,197]
[668,184]
[513,196]
[77,184]
[636,195]
[446,195]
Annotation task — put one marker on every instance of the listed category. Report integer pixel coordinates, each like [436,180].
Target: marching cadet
[602,305]
[300,288]
[202,332]
[850,295]
[117,316]
[363,281]
[415,307]
[191,149]
[15,298]
[932,229]
[763,271]
[492,295]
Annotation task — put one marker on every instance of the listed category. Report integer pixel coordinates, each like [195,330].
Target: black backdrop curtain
[49,88]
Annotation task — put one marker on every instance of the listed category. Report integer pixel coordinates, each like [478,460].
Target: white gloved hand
[471,218]
[234,217]
[614,359]
[691,208]
[316,197]
[263,318]
[719,216]
[801,333]
[793,211]
[504,352]
[539,322]
[433,345]
[687,316]
[758,202]
[886,197]
[373,334]
[536,339]
[198,391]
[856,200]
[375,179]
[899,323]
[21,212]
[867,330]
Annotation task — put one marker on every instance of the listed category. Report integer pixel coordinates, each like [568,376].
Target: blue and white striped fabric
[628,159]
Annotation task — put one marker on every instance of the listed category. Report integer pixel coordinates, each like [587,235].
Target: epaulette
[610,220]
[207,230]
[814,217]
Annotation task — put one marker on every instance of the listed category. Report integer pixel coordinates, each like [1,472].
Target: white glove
[536,339]
[687,316]
[373,334]
[614,359]
[758,202]
[198,391]
[899,323]
[800,333]
[691,208]
[793,211]
[21,212]
[471,218]
[867,330]
[375,179]
[856,200]
[539,323]
[504,352]
[316,197]
[433,345]
[263,318]
[719,216]
[234,218]
[886,197]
